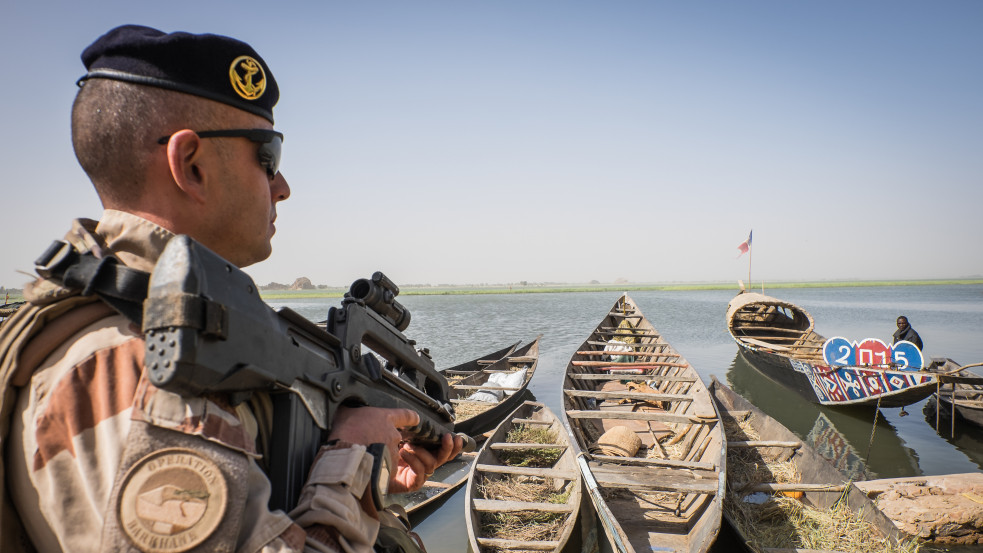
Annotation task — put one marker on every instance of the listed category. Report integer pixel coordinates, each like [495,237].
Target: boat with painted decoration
[779,339]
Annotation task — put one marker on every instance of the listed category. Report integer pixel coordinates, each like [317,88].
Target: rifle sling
[123,288]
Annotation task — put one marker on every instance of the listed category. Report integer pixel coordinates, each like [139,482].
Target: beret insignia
[248,78]
[172,500]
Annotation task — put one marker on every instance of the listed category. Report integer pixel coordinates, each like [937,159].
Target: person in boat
[96,457]
[905,332]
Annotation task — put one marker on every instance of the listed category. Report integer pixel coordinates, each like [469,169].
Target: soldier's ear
[184,156]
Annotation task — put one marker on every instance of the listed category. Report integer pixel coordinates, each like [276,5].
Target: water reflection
[841,435]
[964,436]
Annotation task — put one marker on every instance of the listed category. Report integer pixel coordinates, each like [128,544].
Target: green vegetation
[567,288]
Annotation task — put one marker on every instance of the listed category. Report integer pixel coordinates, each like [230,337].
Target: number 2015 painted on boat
[904,355]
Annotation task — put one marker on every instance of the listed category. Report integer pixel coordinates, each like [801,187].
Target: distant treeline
[621,287]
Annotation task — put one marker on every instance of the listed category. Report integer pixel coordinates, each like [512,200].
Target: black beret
[216,67]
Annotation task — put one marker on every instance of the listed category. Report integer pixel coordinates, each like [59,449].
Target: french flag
[745,245]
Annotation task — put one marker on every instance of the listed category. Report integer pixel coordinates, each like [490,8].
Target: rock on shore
[945,509]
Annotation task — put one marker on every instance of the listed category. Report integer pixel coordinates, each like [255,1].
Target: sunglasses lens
[269,155]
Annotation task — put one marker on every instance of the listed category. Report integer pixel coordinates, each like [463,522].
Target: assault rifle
[207,330]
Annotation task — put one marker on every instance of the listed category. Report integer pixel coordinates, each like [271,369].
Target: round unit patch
[172,500]
[248,78]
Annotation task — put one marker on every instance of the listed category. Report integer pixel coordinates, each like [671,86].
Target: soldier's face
[246,206]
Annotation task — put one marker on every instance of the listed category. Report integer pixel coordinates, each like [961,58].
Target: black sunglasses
[271,144]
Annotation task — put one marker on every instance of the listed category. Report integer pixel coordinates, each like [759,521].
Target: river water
[901,443]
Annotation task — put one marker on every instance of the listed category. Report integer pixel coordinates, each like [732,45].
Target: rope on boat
[877,412]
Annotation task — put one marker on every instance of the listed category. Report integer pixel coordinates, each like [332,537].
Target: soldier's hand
[417,463]
[370,425]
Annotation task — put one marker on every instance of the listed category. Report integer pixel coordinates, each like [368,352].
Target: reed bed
[525,525]
[522,525]
[530,457]
[467,409]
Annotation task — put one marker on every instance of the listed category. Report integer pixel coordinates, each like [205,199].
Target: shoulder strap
[123,288]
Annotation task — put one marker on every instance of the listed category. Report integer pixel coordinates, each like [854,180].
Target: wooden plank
[532,421]
[513,446]
[763,344]
[640,416]
[653,480]
[627,365]
[646,377]
[441,485]
[638,461]
[625,354]
[498,506]
[650,339]
[765,443]
[776,328]
[527,471]
[517,544]
[626,315]
[791,487]
[643,396]
[640,346]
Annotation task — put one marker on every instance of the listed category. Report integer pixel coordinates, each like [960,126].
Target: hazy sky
[564,141]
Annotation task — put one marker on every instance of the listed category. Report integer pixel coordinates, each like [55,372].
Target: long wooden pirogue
[965,401]
[474,416]
[468,368]
[450,476]
[759,441]
[524,491]
[647,435]
[779,339]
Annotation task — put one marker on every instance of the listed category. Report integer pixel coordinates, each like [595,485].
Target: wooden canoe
[453,474]
[667,495]
[470,367]
[965,400]
[526,473]
[819,484]
[779,339]
[476,417]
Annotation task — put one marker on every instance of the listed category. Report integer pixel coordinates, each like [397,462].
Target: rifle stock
[208,331]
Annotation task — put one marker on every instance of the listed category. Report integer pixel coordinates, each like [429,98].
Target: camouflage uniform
[98,459]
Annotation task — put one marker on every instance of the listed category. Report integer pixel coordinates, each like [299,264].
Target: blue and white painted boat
[779,339]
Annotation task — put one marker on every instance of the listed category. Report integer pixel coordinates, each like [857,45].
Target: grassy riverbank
[15,295]
[555,288]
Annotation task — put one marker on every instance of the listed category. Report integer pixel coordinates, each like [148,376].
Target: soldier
[175,131]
